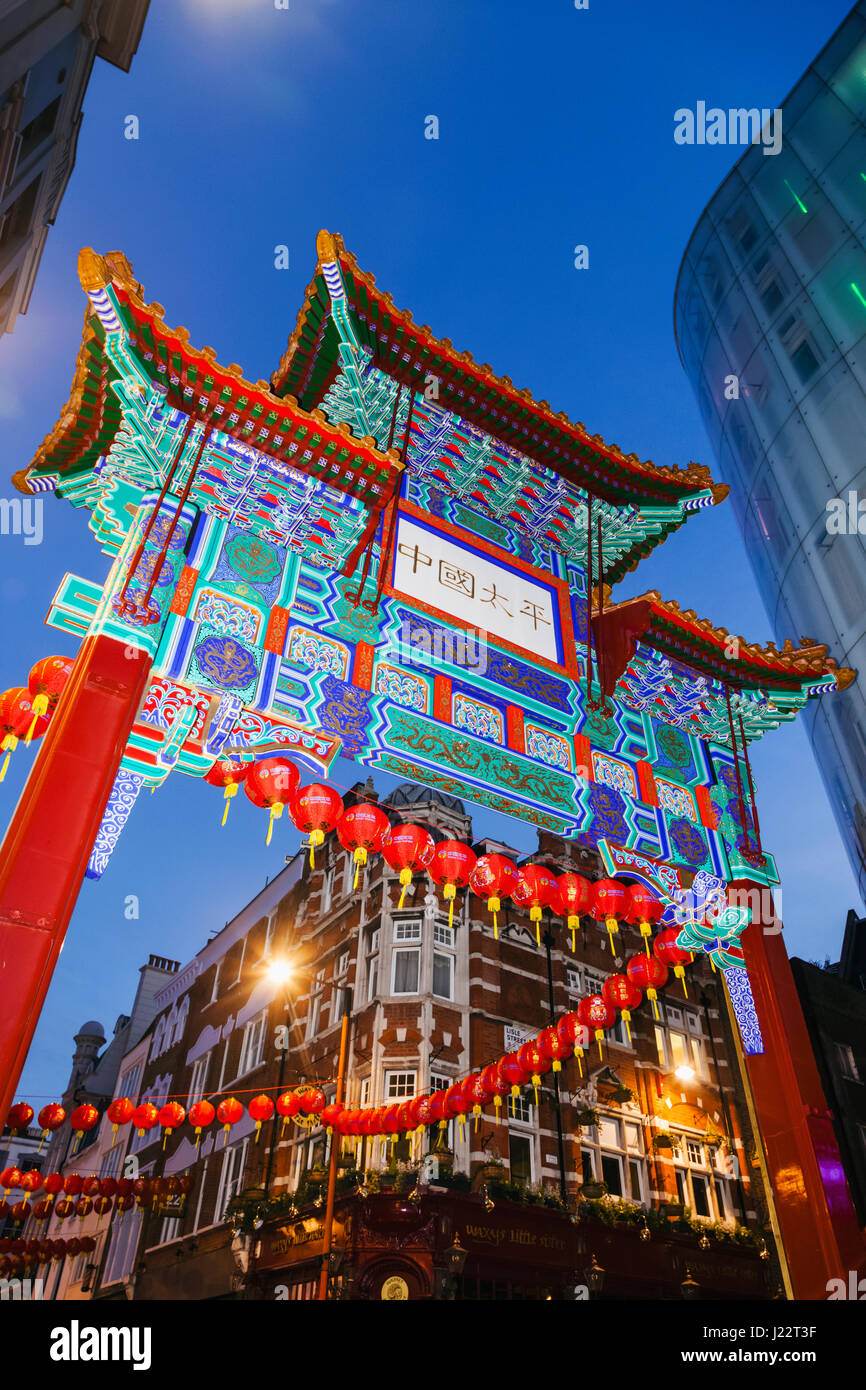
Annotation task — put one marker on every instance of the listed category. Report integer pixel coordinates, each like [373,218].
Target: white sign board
[516,1037]
[472,588]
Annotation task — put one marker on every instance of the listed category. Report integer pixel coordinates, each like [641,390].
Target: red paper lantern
[119,1112]
[288,1105]
[53,1183]
[50,1117]
[643,908]
[229,1112]
[315,810]
[10,1177]
[510,1070]
[31,1181]
[42,1210]
[454,1102]
[330,1116]
[418,1112]
[313,1101]
[361,830]
[102,1206]
[200,1115]
[145,1116]
[533,1060]
[594,1012]
[227,773]
[403,1121]
[144,1193]
[64,1208]
[389,1123]
[20,1211]
[475,1095]
[649,974]
[666,950]
[536,888]
[610,901]
[171,1116]
[496,1084]
[494,878]
[622,994]
[90,1186]
[72,1184]
[554,1047]
[124,1187]
[47,680]
[409,849]
[436,1115]
[271,783]
[261,1108]
[451,867]
[83,1207]
[17,721]
[107,1187]
[83,1119]
[575,897]
[19,1116]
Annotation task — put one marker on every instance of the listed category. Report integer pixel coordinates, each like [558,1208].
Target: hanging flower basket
[586,1118]
[662,1141]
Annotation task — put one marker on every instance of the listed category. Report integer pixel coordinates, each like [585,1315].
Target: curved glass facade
[770,318]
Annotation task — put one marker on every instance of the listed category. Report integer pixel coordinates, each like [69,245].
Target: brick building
[656,1129]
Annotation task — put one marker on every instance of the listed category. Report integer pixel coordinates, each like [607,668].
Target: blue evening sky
[257,127]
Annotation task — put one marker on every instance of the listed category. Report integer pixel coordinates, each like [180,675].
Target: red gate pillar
[816,1216]
[45,852]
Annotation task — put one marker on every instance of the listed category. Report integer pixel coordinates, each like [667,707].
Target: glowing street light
[280,971]
[685,1073]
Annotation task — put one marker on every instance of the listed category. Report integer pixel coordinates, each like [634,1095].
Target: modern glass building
[770,320]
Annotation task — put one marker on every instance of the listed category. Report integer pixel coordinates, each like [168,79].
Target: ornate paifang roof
[411,354]
[120,328]
[695,643]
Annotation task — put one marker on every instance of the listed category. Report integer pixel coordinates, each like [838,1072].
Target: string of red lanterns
[593,1016]
[26,710]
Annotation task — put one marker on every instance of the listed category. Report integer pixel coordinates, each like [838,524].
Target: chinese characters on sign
[474,589]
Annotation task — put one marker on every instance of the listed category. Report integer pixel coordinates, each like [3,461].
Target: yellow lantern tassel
[535,1084]
[578,1052]
[654,1001]
[612,928]
[9,743]
[276,812]
[646,932]
[497,1106]
[230,791]
[450,894]
[258,1131]
[494,905]
[573,923]
[360,860]
[678,971]
[625,1018]
[405,880]
[599,1034]
[197,1137]
[535,916]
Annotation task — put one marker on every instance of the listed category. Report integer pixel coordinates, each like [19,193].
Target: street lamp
[594,1277]
[690,1288]
[455,1260]
[685,1073]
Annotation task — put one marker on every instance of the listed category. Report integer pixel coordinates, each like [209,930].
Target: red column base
[45,852]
